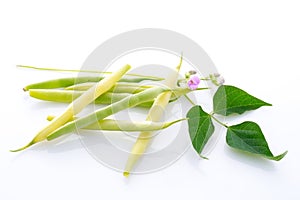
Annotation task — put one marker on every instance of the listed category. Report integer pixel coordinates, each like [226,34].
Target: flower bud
[193,82]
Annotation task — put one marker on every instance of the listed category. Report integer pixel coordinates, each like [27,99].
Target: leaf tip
[268,104]
[203,157]
[279,157]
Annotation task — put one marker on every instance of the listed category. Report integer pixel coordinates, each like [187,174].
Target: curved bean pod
[155,113]
[128,102]
[124,125]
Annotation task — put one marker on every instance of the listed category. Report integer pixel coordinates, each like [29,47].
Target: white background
[254,44]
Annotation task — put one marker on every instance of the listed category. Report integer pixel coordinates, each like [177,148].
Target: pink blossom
[193,82]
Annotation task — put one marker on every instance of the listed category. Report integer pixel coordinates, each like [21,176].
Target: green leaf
[229,99]
[248,137]
[200,127]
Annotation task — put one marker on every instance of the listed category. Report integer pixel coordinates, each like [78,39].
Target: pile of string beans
[118,91]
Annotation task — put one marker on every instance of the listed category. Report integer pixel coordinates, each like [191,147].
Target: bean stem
[217,120]
[86,71]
